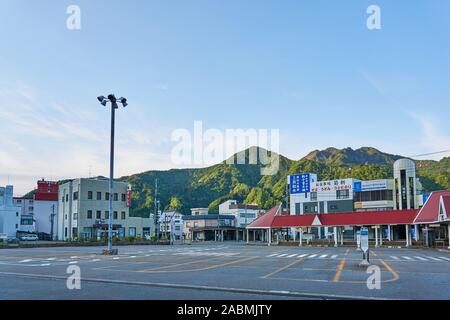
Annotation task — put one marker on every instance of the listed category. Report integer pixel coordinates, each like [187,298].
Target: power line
[430,154]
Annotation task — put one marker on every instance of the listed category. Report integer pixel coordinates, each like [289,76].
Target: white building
[83,211]
[406,185]
[27,221]
[244,215]
[171,222]
[9,214]
[199,211]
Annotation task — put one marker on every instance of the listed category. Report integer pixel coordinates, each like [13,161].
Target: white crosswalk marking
[74,257]
[334,256]
[445,258]
[282,255]
[117,258]
[26,260]
[407,258]
[312,256]
[323,256]
[421,258]
[395,258]
[435,259]
[96,260]
[292,255]
[272,255]
[302,256]
[45,264]
[73,262]
[51,259]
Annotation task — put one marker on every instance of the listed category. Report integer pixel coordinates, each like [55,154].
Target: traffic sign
[364,240]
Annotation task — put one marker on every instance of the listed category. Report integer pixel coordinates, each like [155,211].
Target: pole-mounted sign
[365,246]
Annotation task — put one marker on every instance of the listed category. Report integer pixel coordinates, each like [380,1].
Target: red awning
[266,220]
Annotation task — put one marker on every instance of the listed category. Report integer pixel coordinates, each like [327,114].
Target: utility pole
[155,217]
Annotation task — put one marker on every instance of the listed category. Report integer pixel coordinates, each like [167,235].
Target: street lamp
[104,101]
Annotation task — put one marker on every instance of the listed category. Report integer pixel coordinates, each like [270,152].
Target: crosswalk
[301,256]
[419,258]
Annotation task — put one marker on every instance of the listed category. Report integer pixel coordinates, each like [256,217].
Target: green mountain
[208,187]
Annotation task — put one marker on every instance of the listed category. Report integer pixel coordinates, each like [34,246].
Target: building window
[75,195]
[297,208]
[89,214]
[17,226]
[75,216]
[116,215]
[99,196]
[99,215]
[30,208]
[132,232]
[90,195]
[313,196]
[19,201]
[106,214]
[17,214]
[65,232]
[123,215]
[116,197]
[124,197]
[67,197]
[342,194]
[62,199]
[107,196]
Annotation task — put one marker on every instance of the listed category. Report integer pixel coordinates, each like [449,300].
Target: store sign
[300,183]
[333,185]
[358,239]
[374,185]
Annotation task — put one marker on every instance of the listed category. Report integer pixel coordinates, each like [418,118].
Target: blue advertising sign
[300,183]
[357,186]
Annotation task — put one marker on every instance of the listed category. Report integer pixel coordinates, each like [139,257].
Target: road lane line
[26,260]
[395,275]
[272,255]
[435,259]
[407,258]
[73,262]
[340,268]
[334,256]
[395,258]
[312,256]
[282,255]
[292,255]
[445,258]
[302,256]
[421,258]
[323,256]
[267,276]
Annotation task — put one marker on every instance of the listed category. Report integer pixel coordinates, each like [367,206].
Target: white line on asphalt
[421,258]
[292,255]
[45,264]
[272,255]
[73,262]
[323,256]
[51,259]
[132,257]
[312,256]
[407,258]
[334,256]
[395,258]
[117,258]
[74,257]
[95,260]
[282,255]
[26,260]
[445,258]
[302,256]
[435,259]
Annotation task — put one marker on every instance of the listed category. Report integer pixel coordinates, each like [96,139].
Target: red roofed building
[46,208]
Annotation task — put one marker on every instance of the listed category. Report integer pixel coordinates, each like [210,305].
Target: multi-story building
[199,211]
[210,227]
[83,211]
[9,213]
[244,215]
[375,195]
[39,212]
[171,222]
[27,221]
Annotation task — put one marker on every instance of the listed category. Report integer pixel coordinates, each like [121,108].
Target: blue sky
[309,68]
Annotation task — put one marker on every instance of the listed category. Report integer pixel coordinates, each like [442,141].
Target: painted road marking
[272,255]
[421,258]
[445,258]
[95,260]
[302,256]
[117,258]
[341,267]
[51,259]
[323,256]
[73,262]
[281,269]
[282,255]
[334,256]
[74,257]
[435,259]
[312,256]
[407,258]
[45,264]
[26,260]
[395,258]
[292,255]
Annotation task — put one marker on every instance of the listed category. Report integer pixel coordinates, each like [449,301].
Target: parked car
[29,237]
[3,237]
[12,240]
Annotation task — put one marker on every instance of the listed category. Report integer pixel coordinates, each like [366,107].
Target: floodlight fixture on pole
[104,101]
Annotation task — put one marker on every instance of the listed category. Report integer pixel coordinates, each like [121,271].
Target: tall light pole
[104,101]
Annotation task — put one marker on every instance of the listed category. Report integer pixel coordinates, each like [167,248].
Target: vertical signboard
[365,240]
[129,195]
[300,183]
